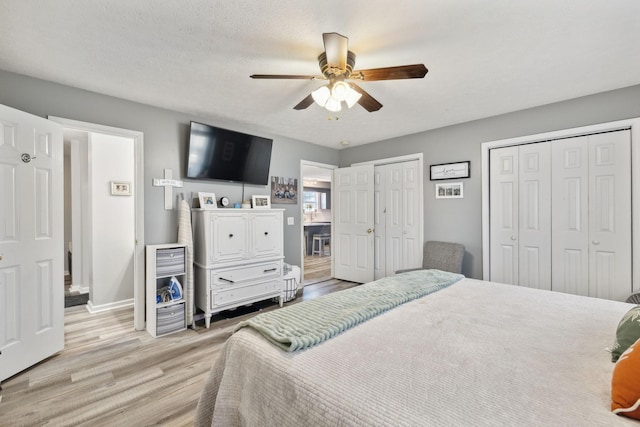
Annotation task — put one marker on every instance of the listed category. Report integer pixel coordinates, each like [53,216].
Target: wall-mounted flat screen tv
[226,155]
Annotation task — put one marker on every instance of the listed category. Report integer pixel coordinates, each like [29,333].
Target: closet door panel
[569,198]
[411,239]
[574,278]
[379,219]
[610,215]
[503,188]
[392,178]
[534,248]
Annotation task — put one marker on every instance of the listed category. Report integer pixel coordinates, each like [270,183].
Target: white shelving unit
[163,262]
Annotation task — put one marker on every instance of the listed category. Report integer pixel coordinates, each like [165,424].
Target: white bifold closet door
[520,193]
[591,245]
[560,215]
[398,241]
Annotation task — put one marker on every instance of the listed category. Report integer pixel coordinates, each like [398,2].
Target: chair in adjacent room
[323,239]
[443,256]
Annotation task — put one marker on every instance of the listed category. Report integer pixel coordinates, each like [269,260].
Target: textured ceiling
[484,57]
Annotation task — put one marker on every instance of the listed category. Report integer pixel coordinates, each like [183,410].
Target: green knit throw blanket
[309,323]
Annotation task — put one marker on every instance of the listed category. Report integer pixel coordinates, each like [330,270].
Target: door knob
[369,230]
[513,237]
[595,242]
[26,157]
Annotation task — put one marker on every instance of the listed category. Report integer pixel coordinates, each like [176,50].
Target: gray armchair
[634,298]
[441,256]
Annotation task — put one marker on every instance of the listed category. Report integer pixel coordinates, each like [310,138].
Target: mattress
[474,353]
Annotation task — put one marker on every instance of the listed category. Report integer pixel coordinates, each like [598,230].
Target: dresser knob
[266,233]
[230,235]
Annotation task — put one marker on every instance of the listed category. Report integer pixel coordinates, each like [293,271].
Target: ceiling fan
[336,64]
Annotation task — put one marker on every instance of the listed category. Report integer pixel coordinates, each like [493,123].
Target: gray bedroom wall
[460,220]
[165,147]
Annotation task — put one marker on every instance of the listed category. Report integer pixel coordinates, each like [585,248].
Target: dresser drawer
[170,318]
[249,293]
[231,277]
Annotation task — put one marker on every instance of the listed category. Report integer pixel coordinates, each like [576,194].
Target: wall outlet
[290,220]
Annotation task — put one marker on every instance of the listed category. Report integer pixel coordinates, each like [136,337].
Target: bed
[472,353]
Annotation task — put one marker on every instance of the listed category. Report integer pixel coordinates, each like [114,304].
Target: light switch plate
[290,220]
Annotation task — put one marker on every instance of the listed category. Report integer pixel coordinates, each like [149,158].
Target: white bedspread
[476,353]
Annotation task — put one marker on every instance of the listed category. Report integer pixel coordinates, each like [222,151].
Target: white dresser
[238,257]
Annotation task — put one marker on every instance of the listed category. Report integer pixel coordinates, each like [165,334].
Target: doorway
[113,270]
[316,219]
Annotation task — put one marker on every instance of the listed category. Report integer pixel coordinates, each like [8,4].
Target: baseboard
[91,308]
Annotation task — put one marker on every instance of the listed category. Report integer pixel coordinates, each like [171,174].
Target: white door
[412,237]
[610,215]
[402,213]
[503,194]
[534,199]
[592,233]
[31,240]
[379,220]
[570,229]
[352,238]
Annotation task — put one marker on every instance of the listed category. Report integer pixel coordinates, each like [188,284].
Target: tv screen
[222,154]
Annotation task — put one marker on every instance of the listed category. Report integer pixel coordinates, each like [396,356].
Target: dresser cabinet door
[229,238]
[266,234]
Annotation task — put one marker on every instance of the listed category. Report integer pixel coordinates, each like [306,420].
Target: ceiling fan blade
[285,76]
[304,103]
[367,101]
[416,71]
[336,46]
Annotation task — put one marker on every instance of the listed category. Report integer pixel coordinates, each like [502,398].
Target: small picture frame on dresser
[207,200]
[261,202]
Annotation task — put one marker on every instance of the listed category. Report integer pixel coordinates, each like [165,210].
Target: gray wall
[165,147]
[166,134]
[460,220]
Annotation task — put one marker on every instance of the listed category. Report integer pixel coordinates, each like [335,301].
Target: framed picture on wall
[120,188]
[450,171]
[450,190]
[284,190]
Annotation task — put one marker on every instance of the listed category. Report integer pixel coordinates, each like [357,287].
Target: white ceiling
[485,57]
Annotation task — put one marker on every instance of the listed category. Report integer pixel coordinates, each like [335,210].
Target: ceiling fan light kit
[332,99]
[336,64]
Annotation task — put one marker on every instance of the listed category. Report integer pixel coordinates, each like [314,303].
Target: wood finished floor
[316,268]
[110,374]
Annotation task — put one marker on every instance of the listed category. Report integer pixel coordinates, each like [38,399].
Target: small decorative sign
[450,171]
